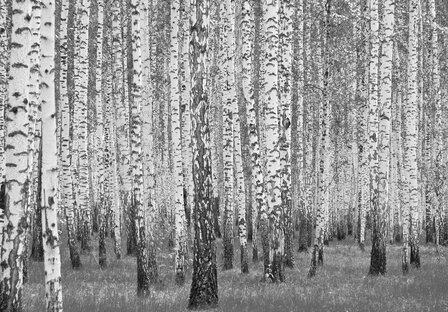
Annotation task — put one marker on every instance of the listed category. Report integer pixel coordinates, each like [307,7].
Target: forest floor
[342,284]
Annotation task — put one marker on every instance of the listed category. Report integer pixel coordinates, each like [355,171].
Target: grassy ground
[341,284]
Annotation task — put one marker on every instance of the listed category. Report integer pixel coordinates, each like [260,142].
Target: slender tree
[83,8]
[4,55]
[411,133]
[379,216]
[285,91]
[102,257]
[274,269]
[229,99]
[179,214]
[258,204]
[317,257]
[136,152]
[52,257]
[362,118]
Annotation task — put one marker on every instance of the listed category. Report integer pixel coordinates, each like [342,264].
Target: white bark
[16,157]
[179,214]
[50,235]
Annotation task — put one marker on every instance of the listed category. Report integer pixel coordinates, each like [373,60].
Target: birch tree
[3,101]
[52,257]
[136,153]
[204,286]
[274,269]
[83,8]
[435,92]
[378,255]
[362,118]
[411,134]
[112,110]
[301,198]
[258,203]
[229,99]
[102,257]
[317,257]
[179,214]
[285,91]
[15,225]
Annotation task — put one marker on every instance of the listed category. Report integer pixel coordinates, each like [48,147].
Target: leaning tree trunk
[50,235]
[16,156]
[204,286]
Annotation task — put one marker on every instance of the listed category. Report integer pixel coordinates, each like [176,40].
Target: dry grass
[341,284]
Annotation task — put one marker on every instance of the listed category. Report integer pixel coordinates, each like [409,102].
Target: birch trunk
[179,214]
[324,155]
[136,153]
[301,197]
[99,146]
[362,97]
[16,156]
[50,235]
[204,286]
[437,123]
[229,100]
[274,269]
[3,102]
[285,91]
[378,255]
[411,139]
[66,176]
[81,109]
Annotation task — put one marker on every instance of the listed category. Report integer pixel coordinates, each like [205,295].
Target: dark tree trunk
[313,267]
[153,272]
[244,260]
[414,259]
[310,228]
[227,242]
[204,285]
[132,237]
[37,249]
[303,231]
[102,256]
[397,233]
[216,201]
[378,254]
